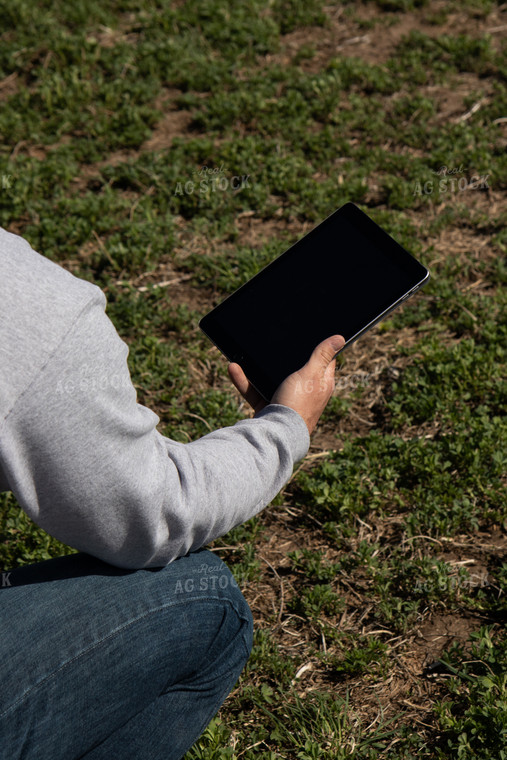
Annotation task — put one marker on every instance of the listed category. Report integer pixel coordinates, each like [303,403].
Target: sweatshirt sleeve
[88,465]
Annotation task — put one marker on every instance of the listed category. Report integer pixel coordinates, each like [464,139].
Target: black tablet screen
[337,279]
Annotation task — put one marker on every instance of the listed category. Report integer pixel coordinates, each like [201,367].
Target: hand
[307,391]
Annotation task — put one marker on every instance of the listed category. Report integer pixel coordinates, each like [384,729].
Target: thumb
[326,351]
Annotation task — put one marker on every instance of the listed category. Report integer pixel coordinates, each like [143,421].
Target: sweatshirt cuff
[299,437]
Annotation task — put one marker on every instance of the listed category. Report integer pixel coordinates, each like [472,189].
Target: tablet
[341,278]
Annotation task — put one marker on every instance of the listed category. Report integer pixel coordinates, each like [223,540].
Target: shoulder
[29,279]
[39,303]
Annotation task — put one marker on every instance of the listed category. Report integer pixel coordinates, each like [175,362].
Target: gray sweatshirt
[85,460]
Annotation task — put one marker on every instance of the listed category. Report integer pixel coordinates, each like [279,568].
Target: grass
[378,577]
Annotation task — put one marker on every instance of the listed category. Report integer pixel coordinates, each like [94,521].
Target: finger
[330,377]
[238,378]
[244,386]
[326,351]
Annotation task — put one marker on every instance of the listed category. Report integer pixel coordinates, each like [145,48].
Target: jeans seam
[102,641]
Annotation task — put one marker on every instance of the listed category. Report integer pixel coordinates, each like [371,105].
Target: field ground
[378,577]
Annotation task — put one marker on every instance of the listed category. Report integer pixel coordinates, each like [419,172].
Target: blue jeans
[102,663]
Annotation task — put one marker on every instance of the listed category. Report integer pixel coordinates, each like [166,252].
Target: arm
[88,465]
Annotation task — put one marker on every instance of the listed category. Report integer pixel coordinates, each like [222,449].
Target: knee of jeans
[242,610]
[248,624]
[215,577]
